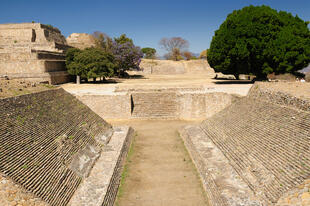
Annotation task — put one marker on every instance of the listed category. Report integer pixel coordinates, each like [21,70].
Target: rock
[1,90]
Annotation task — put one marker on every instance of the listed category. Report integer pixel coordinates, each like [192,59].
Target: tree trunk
[78,79]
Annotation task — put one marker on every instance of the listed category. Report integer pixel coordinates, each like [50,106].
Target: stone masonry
[257,146]
[49,141]
[190,103]
[34,51]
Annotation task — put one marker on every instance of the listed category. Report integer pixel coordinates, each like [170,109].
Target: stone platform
[33,51]
[183,97]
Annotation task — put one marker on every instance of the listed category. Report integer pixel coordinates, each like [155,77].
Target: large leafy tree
[259,40]
[90,63]
[149,53]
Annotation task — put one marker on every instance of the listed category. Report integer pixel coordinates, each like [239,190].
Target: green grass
[126,169]
[48,86]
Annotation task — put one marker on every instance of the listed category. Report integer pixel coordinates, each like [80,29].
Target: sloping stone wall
[265,139]
[49,142]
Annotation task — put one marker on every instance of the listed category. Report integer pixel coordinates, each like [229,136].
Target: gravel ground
[298,89]
[12,194]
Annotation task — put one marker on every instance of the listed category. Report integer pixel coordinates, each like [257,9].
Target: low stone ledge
[100,188]
[223,185]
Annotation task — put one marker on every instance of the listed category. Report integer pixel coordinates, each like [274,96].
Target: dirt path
[159,171]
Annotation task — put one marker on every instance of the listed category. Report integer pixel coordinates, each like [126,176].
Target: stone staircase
[154,105]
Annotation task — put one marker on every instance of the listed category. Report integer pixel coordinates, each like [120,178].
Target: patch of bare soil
[159,171]
[12,194]
[16,87]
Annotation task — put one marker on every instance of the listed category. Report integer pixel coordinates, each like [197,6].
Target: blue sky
[146,22]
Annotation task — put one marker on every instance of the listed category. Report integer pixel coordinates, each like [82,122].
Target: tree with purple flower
[127,55]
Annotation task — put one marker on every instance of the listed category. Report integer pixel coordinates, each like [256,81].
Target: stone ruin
[58,149]
[256,151]
[81,40]
[34,51]
[170,67]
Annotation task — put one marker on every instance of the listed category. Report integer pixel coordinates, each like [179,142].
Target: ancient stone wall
[265,139]
[109,106]
[151,66]
[155,104]
[81,40]
[49,142]
[34,51]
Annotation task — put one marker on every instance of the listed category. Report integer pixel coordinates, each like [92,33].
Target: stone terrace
[34,51]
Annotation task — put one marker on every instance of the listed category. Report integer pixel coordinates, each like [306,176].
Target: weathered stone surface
[81,40]
[100,188]
[221,182]
[151,66]
[34,51]
[265,139]
[191,103]
[83,161]
[47,143]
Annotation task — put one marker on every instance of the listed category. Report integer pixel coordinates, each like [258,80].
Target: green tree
[103,41]
[149,53]
[74,67]
[90,63]
[123,39]
[259,40]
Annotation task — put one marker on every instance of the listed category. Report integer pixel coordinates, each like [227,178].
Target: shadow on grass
[234,82]
[134,76]
[113,80]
